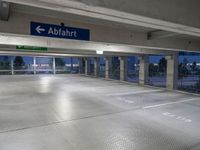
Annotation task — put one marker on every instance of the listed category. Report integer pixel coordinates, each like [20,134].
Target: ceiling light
[99,52]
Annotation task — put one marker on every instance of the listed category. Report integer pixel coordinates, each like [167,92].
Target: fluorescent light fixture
[99,52]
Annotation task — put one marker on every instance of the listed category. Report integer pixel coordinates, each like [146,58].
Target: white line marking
[130,102]
[180,118]
[165,104]
[137,92]
[125,100]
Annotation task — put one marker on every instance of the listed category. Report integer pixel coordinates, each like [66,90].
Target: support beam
[4,10]
[132,13]
[96,67]
[71,63]
[34,65]
[123,68]
[108,63]
[12,66]
[172,71]
[54,65]
[80,64]
[87,65]
[144,69]
[89,48]
[159,34]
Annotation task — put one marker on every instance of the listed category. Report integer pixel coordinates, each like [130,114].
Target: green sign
[32,48]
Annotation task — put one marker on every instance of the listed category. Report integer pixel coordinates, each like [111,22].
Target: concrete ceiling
[184,12]
[122,14]
[180,16]
[77,18]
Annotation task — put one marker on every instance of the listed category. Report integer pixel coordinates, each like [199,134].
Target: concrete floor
[66,112]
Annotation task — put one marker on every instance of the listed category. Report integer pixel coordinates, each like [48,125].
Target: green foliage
[182,69]
[60,62]
[162,65]
[153,70]
[194,66]
[18,62]
[157,70]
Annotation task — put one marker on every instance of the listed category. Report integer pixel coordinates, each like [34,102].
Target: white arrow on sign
[39,29]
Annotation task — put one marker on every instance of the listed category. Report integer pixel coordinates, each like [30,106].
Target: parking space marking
[177,117]
[137,92]
[125,100]
[171,103]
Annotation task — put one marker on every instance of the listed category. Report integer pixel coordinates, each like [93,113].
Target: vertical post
[123,68]
[71,59]
[34,65]
[87,65]
[80,64]
[144,69]
[96,67]
[54,65]
[172,71]
[12,66]
[108,67]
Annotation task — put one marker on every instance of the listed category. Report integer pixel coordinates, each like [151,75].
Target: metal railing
[115,73]
[189,83]
[159,81]
[133,77]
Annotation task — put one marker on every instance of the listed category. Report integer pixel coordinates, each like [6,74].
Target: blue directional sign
[58,31]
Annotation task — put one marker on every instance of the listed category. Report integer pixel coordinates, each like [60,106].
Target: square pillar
[80,64]
[123,68]
[87,65]
[96,67]
[12,66]
[172,71]
[54,65]
[108,63]
[71,64]
[34,65]
[144,69]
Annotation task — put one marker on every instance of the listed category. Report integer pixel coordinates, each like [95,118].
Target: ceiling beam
[79,8]
[73,45]
[159,34]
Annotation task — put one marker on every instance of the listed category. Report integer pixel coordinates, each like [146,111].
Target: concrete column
[12,66]
[71,62]
[80,64]
[123,68]
[96,67]
[54,65]
[87,65]
[34,65]
[108,63]
[172,71]
[144,69]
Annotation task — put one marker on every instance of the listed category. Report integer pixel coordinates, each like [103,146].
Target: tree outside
[162,65]
[18,62]
[153,70]
[60,62]
[182,68]
[194,66]
[157,70]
